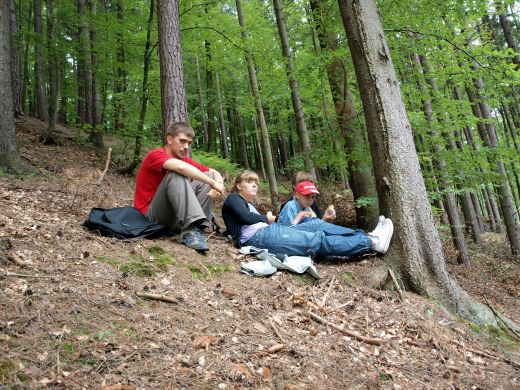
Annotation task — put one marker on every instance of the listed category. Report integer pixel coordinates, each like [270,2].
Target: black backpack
[124,222]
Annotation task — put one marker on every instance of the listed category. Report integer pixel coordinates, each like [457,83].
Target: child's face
[305,200]
[248,189]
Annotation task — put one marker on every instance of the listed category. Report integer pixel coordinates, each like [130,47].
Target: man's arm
[189,171]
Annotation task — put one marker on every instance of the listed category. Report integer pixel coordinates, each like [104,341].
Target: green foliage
[365,201]
[218,163]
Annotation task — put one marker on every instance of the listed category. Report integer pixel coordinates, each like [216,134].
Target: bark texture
[39,65]
[16,78]
[9,157]
[173,95]
[416,251]
[361,178]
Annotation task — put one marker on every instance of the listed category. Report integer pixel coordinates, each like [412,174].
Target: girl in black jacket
[248,227]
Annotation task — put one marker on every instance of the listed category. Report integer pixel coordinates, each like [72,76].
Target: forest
[407,108]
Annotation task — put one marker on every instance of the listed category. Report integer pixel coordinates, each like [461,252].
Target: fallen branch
[401,295]
[348,332]
[156,297]
[276,330]
[324,299]
[339,307]
[486,354]
[15,275]
[106,166]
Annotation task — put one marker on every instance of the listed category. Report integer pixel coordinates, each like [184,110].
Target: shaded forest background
[275,92]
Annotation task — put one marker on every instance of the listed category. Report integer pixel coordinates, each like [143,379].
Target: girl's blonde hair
[245,175]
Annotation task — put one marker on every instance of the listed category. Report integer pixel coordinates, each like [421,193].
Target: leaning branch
[156,297]
[348,332]
[407,30]
[106,166]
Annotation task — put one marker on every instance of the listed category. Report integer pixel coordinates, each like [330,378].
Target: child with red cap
[314,237]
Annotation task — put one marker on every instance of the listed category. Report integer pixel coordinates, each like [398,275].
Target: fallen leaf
[239,372]
[229,292]
[204,341]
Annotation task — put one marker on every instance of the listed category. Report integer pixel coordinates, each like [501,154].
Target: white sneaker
[379,225]
[383,236]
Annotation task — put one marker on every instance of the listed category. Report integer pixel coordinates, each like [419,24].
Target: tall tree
[54,74]
[416,251]
[301,126]
[15,61]
[266,143]
[9,158]
[361,178]
[173,94]
[223,133]
[96,135]
[41,90]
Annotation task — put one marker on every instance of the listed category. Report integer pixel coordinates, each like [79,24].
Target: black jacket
[235,212]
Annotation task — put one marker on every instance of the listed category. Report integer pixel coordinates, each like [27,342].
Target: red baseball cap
[306,188]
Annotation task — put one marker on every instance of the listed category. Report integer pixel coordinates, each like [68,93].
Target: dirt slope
[70,316]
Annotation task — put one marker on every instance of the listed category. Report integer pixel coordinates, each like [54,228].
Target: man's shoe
[194,239]
[383,236]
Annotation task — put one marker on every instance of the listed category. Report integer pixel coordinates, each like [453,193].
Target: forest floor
[70,316]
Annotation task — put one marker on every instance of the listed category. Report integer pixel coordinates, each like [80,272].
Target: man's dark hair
[176,128]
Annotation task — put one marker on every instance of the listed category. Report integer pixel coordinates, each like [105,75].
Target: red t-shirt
[150,175]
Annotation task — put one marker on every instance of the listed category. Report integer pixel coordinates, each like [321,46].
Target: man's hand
[217,189]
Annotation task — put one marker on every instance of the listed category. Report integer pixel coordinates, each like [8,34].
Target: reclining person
[248,227]
[176,191]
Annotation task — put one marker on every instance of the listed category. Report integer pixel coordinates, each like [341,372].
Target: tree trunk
[16,78]
[96,134]
[223,133]
[120,112]
[212,128]
[173,95]
[54,76]
[203,115]
[9,158]
[444,181]
[41,90]
[416,251]
[361,178]
[267,155]
[505,199]
[144,96]
[241,129]
[301,126]
[508,33]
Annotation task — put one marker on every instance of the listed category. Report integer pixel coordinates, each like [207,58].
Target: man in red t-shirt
[174,190]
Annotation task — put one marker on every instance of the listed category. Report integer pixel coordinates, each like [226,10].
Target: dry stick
[339,307]
[348,332]
[276,330]
[209,236]
[14,275]
[106,166]
[500,317]
[15,259]
[485,354]
[324,300]
[401,295]
[156,297]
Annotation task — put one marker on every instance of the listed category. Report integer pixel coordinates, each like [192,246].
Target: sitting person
[299,177]
[248,227]
[176,191]
[299,208]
